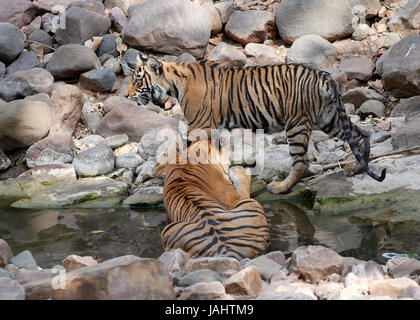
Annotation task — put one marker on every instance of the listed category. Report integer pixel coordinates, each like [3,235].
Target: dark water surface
[52,235]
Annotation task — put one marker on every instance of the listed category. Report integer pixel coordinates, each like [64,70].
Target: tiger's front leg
[298,139]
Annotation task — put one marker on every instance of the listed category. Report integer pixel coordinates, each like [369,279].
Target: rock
[132,59]
[108,46]
[22,123]
[202,275]
[126,277]
[83,22]
[26,83]
[203,291]
[186,27]
[96,161]
[379,137]
[406,18]
[225,9]
[372,7]
[411,292]
[113,64]
[350,47]
[222,265]
[27,60]
[284,295]
[278,257]
[131,120]
[245,282]
[4,273]
[388,40]
[175,261]
[2,71]
[5,253]
[100,80]
[409,108]
[88,142]
[48,156]
[40,37]
[372,107]
[408,135]
[400,67]
[359,95]
[51,5]
[360,68]
[74,262]
[4,161]
[24,276]
[24,260]
[18,12]
[328,291]
[145,172]
[391,287]
[311,50]
[400,267]
[216,22]
[118,19]
[121,4]
[262,54]
[128,160]
[145,196]
[11,290]
[266,266]
[251,26]
[50,172]
[361,32]
[330,20]
[315,263]
[362,269]
[277,158]
[117,141]
[70,60]
[227,55]
[185,58]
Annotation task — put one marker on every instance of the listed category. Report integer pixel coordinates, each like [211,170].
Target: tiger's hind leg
[298,138]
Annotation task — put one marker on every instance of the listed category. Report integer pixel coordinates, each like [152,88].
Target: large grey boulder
[27,60]
[400,67]
[406,18]
[70,60]
[12,42]
[18,12]
[171,27]
[407,107]
[331,20]
[407,135]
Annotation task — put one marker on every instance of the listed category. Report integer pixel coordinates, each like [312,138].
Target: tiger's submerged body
[294,97]
[207,215]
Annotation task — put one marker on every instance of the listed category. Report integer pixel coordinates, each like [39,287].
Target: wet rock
[315,263]
[407,135]
[50,172]
[228,55]
[203,291]
[18,12]
[371,107]
[400,67]
[330,20]
[40,37]
[5,253]
[48,156]
[245,282]
[4,161]
[22,123]
[391,287]
[175,34]
[224,266]
[360,68]
[84,20]
[96,161]
[202,275]
[74,262]
[131,120]
[100,80]
[118,19]
[128,160]
[406,18]
[407,107]
[359,95]
[311,50]
[11,290]
[24,260]
[250,26]
[27,60]
[175,261]
[122,278]
[266,266]
[400,267]
[26,83]
[225,9]
[70,60]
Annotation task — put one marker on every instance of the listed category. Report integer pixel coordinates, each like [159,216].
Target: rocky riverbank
[311,273]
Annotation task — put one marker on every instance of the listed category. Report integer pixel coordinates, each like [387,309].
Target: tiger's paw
[277,187]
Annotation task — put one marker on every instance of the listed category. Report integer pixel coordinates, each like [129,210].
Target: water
[52,235]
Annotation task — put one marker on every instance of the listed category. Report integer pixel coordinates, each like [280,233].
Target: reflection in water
[51,235]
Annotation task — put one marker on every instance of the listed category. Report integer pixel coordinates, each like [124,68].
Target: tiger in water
[272,97]
[210,212]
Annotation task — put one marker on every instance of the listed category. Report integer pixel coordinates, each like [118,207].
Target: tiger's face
[148,82]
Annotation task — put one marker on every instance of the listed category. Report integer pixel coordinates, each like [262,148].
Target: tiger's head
[148,83]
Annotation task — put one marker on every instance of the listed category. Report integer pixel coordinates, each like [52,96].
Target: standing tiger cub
[294,97]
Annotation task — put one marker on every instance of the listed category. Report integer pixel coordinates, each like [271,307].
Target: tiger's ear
[154,66]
